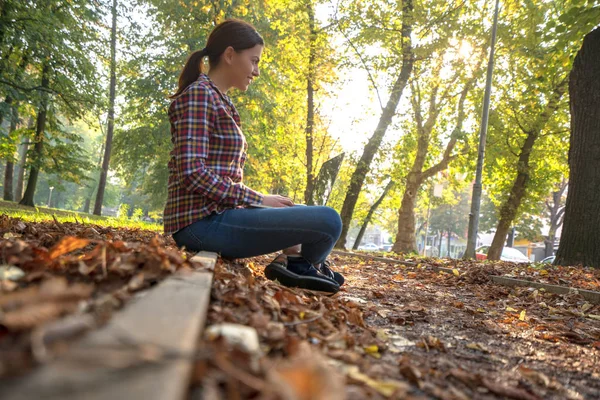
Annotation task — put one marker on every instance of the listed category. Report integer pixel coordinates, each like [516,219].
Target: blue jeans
[249,232]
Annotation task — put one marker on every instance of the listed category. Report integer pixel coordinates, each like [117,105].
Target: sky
[352,108]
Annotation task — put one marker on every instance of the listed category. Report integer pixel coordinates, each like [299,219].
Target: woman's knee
[330,219]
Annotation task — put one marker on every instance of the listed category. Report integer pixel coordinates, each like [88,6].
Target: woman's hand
[275,200]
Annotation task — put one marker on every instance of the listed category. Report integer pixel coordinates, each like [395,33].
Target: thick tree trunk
[372,210]
[111,114]
[509,209]
[579,243]
[310,108]
[27,199]
[358,177]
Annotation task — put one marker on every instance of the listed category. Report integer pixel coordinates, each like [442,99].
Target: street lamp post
[476,198]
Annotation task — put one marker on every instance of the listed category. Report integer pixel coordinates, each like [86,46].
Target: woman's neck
[220,80]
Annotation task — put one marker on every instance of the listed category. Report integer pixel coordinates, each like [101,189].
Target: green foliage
[123,211]
[44,214]
[537,41]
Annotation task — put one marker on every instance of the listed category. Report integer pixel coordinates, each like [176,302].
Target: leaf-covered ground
[394,331]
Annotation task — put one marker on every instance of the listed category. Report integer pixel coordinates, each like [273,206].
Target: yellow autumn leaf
[302,314]
[455,272]
[511,309]
[371,349]
[522,315]
[592,316]
[543,272]
[385,388]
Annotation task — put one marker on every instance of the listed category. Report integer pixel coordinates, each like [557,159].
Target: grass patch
[41,214]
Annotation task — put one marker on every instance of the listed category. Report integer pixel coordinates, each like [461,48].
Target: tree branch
[367,69]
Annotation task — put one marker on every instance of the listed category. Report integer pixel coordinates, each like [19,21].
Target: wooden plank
[144,352]
[591,296]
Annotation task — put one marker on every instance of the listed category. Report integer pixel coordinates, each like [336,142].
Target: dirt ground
[393,331]
[406,332]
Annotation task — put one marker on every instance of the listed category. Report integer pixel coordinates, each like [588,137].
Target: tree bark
[27,199]
[509,209]
[310,108]
[406,241]
[22,161]
[8,181]
[556,213]
[358,177]
[406,237]
[372,210]
[579,242]
[111,114]
[9,171]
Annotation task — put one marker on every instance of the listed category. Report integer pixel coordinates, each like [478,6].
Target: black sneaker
[325,269]
[299,274]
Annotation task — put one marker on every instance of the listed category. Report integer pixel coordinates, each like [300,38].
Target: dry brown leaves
[422,334]
[72,269]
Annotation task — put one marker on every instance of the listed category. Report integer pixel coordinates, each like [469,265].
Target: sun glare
[465,50]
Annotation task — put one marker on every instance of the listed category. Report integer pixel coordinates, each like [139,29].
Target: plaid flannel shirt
[208,156]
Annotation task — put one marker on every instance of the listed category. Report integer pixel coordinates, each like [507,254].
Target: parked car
[386,247]
[508,254]
[548,260]
[369,247]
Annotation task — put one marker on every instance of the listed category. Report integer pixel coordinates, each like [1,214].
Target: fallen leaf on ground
[385,387]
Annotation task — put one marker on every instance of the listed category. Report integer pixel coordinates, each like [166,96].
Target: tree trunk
[372,210]
[111,114]
[310,108]
[8,181]
[579,239]
[510,242]
[358,177]
[406,241]
[9,172]
[509,209]
[86,205]
[23,148]
[556,212]
[27,199]
[406,237]
[21,171]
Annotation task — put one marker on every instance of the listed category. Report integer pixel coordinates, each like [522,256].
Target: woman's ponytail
[230,33]
[191,70]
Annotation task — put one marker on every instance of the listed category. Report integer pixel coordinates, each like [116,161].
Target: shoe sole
[336,276]
[290,279]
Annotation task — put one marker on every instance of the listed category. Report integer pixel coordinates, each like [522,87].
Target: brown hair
[232,32]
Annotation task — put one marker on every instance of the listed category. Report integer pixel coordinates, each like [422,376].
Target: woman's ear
[228,55]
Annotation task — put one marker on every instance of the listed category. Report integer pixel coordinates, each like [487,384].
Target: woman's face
[244,67]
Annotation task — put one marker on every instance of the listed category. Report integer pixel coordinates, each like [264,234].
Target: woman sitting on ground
[208,207]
